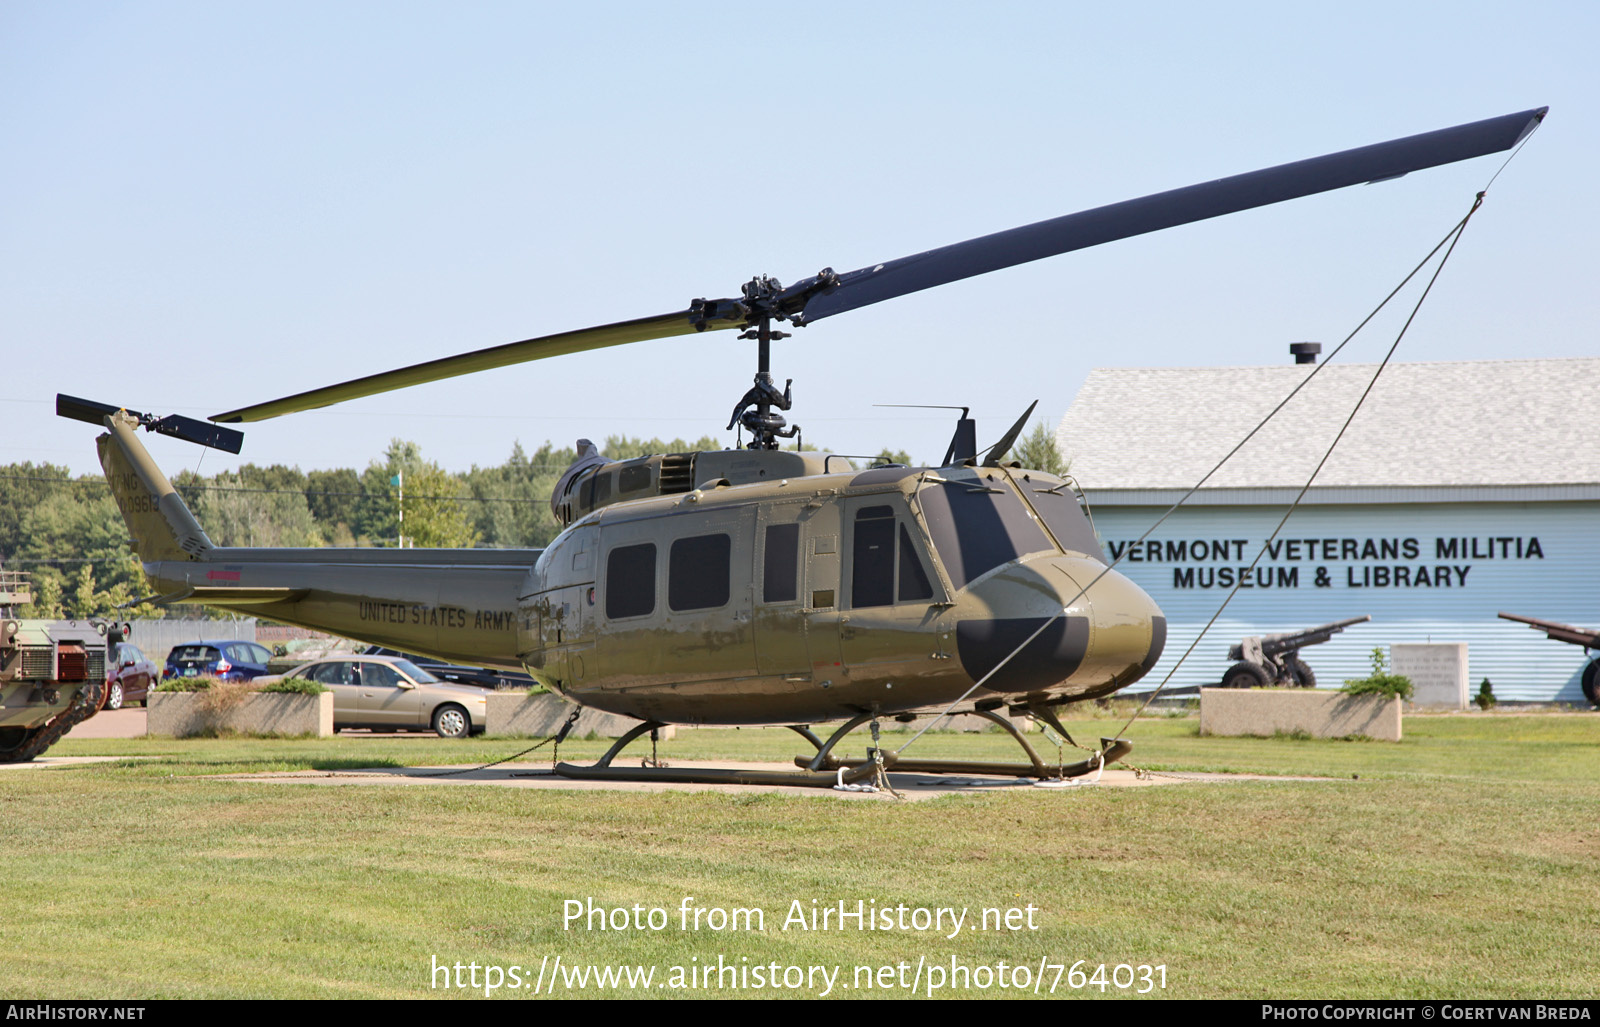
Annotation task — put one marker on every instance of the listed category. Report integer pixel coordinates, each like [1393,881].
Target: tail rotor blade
[175,425]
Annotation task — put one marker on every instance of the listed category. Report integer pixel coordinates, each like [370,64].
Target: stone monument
[1438,672]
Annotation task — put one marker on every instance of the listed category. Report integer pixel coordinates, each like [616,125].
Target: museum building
[1458,491]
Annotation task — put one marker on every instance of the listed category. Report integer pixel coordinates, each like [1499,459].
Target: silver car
[388,693]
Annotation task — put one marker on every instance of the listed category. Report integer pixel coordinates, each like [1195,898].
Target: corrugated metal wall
[156,638]
[1424,572]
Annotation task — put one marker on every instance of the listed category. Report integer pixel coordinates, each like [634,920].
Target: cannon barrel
[1272,645]
[1559,632]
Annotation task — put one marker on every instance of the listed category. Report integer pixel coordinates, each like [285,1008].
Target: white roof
[1477,423]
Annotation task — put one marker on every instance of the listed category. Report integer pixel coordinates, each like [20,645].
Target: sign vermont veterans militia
[1327,562]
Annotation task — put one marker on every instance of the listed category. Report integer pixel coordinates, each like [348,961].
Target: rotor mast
[755,411]
[763,300]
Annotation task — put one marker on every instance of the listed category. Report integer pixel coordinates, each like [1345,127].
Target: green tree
[24,487]
[624,447]
[247,508]
[76,527]
[893,456]
[46,603]
[82,603]
[376,516]
[434,513]
[513,499]
[1037,451]
[333,497]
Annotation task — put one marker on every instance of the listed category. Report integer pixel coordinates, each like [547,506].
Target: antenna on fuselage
[963,444]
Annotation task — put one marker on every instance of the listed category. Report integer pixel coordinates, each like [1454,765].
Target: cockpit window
[880,575]
[977,526]
[914,582]
[872,563]
[1059,510]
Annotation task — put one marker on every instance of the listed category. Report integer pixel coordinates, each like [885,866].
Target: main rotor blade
[599,337]
[1167,210]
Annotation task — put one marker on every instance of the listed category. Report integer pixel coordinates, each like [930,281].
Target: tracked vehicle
[52,676]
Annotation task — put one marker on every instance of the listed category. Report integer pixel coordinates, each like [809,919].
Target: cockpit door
[891,595]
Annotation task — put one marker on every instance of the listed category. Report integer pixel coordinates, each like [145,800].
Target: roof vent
[1305,352]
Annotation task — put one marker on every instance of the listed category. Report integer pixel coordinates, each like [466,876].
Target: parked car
[390,693]
[129,678]
[226,659]
[458,673]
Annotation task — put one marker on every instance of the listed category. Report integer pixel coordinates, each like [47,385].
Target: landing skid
[824,770]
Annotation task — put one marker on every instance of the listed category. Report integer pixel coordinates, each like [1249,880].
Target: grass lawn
[1460,863]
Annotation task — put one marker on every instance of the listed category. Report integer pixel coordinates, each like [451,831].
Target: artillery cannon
[1275,659]
[1572,636]
[52,676]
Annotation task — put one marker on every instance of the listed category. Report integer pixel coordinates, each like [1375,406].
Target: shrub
[291,686]
[294,686]
[223,696]
[1485,697]
[185,684]
[1381,682]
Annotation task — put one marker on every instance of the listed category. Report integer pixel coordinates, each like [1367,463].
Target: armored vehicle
[52,676]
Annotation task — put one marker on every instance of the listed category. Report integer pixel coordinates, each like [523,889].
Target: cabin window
[632,479]
[780,569]
[698,572]
[631,581]
[977,525]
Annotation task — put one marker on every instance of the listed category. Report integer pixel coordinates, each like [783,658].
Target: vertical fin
[161,525]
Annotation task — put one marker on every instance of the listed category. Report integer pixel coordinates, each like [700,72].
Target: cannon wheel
[1301,674]
[1245,675]
[1591,682]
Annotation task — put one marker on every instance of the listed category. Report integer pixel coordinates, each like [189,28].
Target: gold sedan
[387,693]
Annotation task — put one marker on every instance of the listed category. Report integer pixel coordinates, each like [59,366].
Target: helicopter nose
[1089,629]
[1130,631]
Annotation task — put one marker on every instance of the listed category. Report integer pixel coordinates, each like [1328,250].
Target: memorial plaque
[1438,672]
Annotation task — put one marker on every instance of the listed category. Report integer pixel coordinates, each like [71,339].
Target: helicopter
[758,585]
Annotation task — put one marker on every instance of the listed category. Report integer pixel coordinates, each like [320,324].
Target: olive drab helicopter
[757,585]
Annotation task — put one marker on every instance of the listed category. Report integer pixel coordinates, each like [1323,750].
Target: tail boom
[454,604]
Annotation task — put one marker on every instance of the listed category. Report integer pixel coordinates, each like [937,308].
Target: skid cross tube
[1111,750]
[602,770]
[824,770]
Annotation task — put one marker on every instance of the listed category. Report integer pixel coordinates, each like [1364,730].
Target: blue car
[225,659]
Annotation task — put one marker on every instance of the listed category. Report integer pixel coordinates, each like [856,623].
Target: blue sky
[208,205]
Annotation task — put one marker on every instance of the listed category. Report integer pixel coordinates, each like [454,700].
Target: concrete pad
[912,786]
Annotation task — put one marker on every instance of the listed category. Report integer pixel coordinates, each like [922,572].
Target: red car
[129,678]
